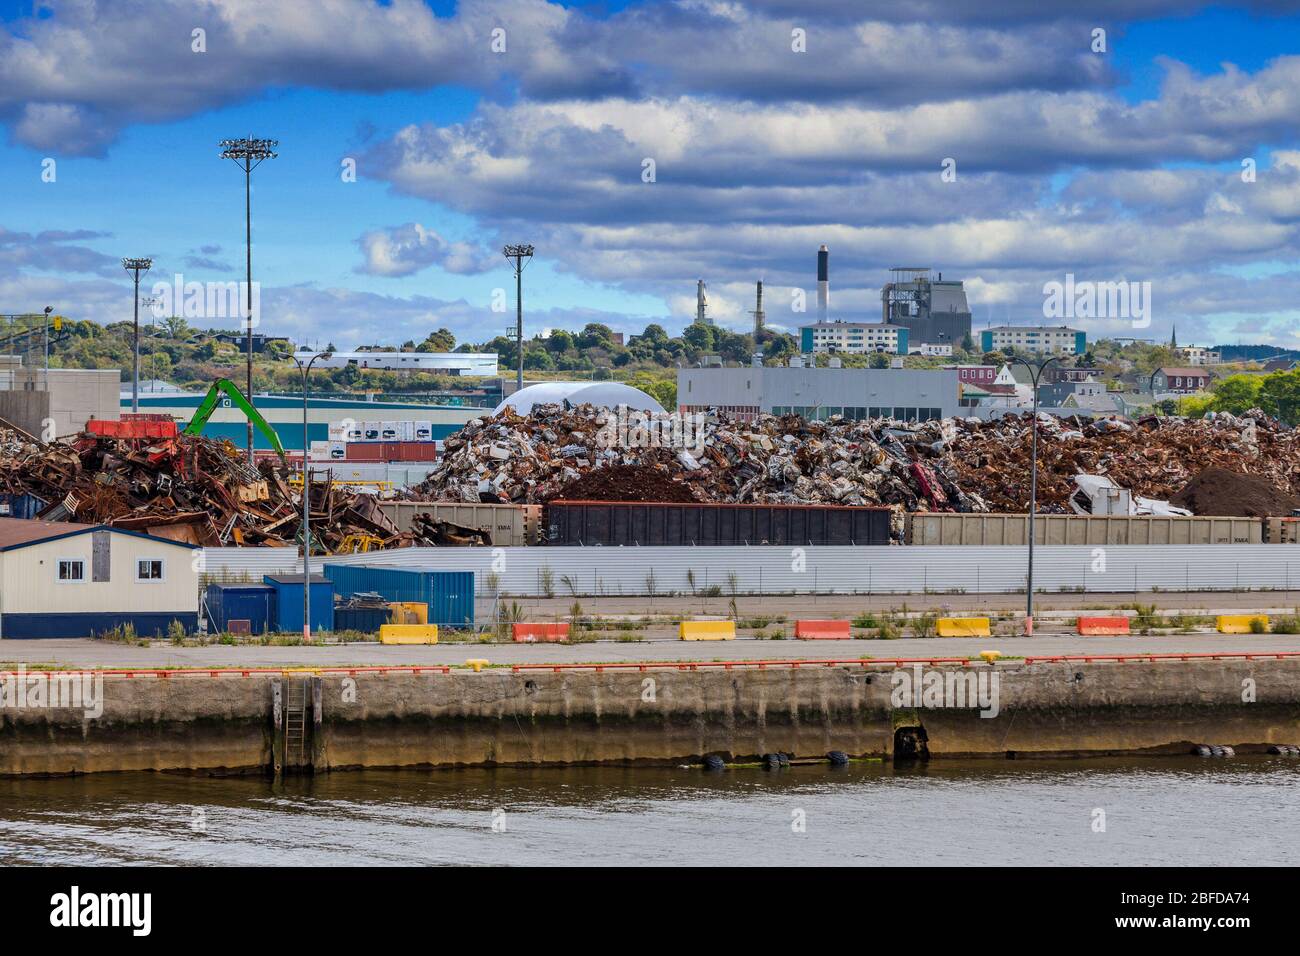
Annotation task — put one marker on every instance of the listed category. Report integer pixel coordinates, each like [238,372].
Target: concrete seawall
[299,721]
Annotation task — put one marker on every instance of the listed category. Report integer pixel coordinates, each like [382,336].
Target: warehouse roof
[18,533]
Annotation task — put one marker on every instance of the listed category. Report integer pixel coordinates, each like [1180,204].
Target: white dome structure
[600,394]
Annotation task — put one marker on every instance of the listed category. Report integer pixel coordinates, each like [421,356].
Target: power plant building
[934,311]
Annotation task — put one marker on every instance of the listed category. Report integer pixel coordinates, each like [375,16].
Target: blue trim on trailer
[97,527]
[47,625]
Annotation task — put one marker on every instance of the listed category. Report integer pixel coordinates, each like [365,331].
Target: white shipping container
[423,431]
[336,432]
[371,431]
[337,450]
[406,431]
[388,431]
[319,447]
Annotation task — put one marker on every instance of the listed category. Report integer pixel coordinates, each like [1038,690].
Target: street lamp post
[304,363]
[521,256]
[248,154]
[1035,373]
[136,266]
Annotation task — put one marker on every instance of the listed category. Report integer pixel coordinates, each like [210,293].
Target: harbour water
[1179,811]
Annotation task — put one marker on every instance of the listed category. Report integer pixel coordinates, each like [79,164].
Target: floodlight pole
[136,266]
[248,153]
[306,499]
[1035,373]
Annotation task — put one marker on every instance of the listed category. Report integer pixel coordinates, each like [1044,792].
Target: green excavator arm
[231,390]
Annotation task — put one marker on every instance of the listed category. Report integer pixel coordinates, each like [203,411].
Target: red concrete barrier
[822,630]
[540,633]
[1103,625]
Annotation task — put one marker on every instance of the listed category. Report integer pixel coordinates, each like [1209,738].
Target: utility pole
[135,266]
[248,154]
[48,310]
[521,256]
[310,359]
[1035,373]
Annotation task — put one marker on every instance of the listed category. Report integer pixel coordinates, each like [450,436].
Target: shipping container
[508,525]
[15,505]
[634,523]
[240,602]
[1011,529]
[423,431]
[363,451]
[286,603]
[367,620]
[449,594]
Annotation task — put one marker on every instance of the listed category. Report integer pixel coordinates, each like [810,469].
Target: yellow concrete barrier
[408,612]
[1240,623]
[708,630]
[963,627]
[408,633]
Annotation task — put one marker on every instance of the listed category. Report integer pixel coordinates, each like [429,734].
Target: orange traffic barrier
[822,630]
[1103,625]
[540,633]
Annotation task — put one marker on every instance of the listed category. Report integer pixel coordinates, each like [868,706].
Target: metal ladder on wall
[295,723]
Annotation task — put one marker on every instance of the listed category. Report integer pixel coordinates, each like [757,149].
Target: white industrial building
[853,337]
[60,579]
[453,363]
[1036,339]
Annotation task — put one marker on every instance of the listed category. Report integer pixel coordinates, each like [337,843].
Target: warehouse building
[284,414]
[819,393]
[60,579]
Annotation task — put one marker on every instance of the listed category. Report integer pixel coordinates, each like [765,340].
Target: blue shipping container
[239,602]
[286,605]
[449,594]
[13,505]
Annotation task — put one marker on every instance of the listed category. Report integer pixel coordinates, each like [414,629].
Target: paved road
[841,605]
[87,653]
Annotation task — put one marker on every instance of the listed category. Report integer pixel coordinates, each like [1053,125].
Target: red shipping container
[363,451]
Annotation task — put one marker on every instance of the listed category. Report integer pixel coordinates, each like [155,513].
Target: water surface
[1181,811]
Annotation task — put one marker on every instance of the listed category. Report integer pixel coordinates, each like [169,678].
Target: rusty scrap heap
[186,488]
[958,464]
[1154,457]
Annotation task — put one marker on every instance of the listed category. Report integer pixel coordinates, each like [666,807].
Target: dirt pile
[1217,491]
[627,483]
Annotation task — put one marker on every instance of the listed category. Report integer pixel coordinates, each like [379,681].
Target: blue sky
[1124,164]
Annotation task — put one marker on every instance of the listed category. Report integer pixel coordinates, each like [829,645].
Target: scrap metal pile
[1153,457]
[558,452]
[957,464]
[186,488]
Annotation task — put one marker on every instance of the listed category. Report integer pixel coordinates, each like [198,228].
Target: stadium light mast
[135,266]
[521,256]
[248,153]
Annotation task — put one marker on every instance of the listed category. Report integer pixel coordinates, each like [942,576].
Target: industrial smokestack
[701,304]
[823,282]
[759,316]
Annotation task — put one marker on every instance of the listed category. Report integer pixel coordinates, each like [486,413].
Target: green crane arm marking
[231,390]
